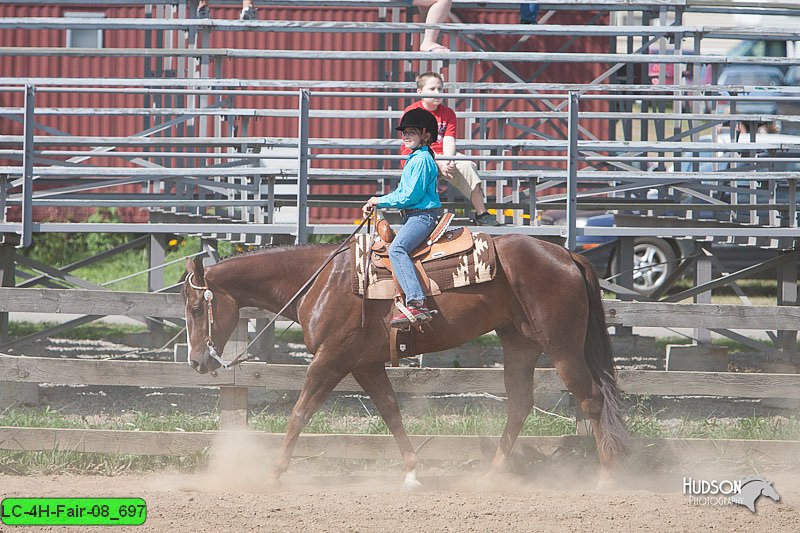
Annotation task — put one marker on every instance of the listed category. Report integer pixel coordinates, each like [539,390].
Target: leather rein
[208,298]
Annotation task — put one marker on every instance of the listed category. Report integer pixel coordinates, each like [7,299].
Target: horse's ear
[195,266]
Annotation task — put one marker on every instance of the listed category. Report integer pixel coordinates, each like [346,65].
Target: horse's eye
[196,310]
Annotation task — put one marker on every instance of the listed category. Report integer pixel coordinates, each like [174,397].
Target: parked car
[656,258]
[754,76]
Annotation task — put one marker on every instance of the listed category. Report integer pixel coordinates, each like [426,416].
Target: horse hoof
[411,482]
[606,484]
[274,483]
[410,486]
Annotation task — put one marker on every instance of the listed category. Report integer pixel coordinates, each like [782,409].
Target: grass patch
[755,428]
[58,462]
[730,344]
[132,421]
[92,331]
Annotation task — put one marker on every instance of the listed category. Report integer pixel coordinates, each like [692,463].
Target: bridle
[208,298]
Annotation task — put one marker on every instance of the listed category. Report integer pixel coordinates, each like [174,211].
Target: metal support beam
[572,170]
[27,172]
[155,276]
[302,169]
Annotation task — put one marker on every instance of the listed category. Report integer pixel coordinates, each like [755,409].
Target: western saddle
[440,244]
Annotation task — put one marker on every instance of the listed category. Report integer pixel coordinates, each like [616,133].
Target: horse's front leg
[375,382]
[321,378]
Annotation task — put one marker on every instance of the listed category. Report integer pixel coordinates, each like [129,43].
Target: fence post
[232,408]
[302,170]
[12,392]
[27,169]
[7,279]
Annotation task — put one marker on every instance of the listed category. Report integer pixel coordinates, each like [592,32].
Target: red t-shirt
[445,117]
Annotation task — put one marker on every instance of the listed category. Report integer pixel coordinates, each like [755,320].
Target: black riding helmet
[422,119]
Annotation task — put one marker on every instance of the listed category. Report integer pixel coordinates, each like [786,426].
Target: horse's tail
[597,352]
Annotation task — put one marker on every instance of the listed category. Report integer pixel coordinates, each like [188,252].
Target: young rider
[418,199]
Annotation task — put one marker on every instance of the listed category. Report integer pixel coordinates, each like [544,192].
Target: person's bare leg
[476,198]
[434,12]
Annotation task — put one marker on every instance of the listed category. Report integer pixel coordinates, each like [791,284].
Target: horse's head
[211,316]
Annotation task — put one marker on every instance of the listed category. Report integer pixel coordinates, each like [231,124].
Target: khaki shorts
[464,178]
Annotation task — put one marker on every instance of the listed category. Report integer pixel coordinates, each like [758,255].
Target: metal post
[27,169]
[302,169]
[572,170]
[3,194]
[155,276]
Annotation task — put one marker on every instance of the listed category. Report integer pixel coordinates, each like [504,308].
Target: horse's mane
[272,248]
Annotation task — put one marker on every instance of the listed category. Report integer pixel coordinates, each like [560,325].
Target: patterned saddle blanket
[458,259]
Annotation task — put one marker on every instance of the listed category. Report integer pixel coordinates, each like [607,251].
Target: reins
[208,297]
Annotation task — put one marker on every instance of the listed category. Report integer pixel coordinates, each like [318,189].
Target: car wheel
[653,262]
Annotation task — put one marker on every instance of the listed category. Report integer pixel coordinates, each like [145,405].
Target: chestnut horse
[544,299]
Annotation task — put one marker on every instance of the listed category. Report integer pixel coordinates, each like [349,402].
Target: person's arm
[411,188]
[448,142]
[448,146]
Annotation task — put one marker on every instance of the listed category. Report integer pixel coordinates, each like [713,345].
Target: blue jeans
[417,226]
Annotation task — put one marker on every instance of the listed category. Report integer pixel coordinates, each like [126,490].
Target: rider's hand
[369,207]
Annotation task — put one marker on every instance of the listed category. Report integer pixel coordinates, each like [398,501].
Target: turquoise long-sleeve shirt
[417,189]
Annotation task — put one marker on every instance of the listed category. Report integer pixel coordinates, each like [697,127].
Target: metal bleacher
[598,144]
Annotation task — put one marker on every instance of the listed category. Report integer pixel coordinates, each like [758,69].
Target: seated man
[463,175]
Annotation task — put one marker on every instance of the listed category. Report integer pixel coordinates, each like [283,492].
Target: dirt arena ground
[194,503]
[233,495]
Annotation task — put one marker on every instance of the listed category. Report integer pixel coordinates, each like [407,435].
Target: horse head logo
[753,487]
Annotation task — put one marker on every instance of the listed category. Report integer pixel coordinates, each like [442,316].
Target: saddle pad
[476,265]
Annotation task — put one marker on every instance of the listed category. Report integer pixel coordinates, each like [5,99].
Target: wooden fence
[233,385]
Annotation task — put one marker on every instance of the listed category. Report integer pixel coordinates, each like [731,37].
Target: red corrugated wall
[277,69]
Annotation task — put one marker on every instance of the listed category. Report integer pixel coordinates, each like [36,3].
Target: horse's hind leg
[321,378]
[519,361]
[573,371]
[375,382]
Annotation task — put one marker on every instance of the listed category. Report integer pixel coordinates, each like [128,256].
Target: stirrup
[407,316]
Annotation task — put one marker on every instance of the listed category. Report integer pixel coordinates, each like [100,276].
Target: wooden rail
[634,314]
[404,380]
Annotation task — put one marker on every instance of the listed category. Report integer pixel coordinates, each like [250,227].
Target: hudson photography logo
[744,492]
